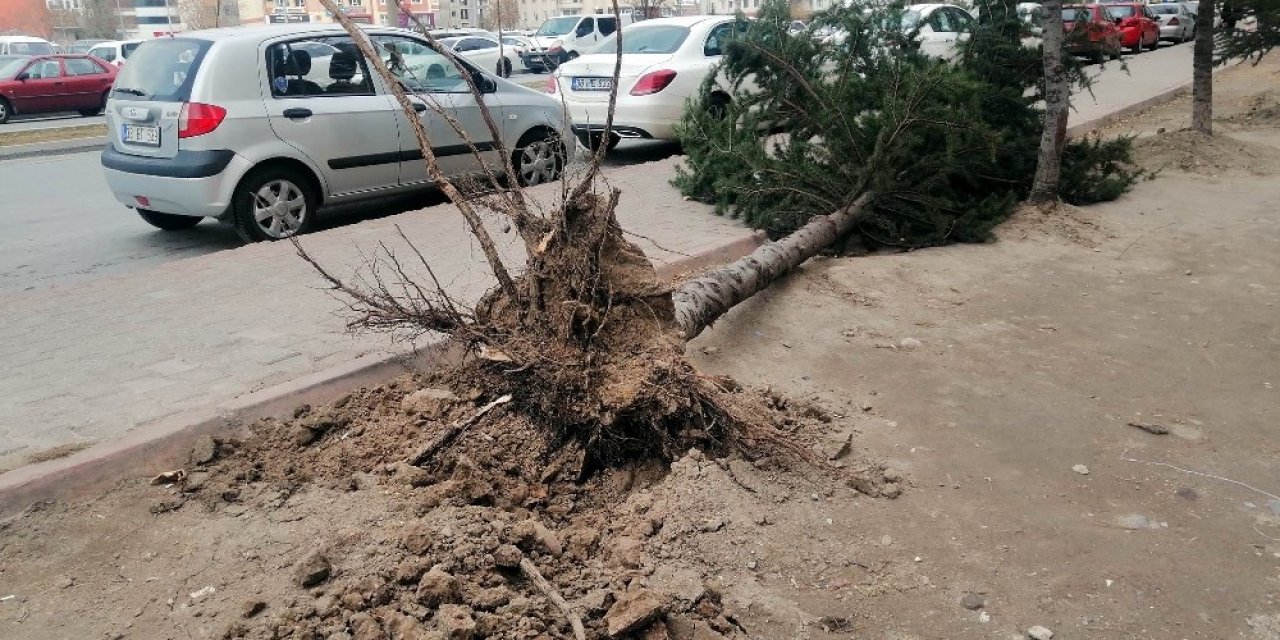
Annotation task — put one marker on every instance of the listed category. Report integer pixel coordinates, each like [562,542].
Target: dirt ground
[989,393]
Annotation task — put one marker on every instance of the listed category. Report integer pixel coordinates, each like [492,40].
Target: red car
[1139,28]
[1091,31]
[47,84]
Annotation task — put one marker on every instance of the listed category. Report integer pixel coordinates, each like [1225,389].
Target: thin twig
[1144,234]
[532,574]
[447,436]
[1125,456]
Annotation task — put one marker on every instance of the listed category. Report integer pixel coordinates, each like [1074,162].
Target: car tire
[1098,57]
[538,158]
[718,105]
[1137,46]
[168,221]
[254,212]
[5,111]
[504,68]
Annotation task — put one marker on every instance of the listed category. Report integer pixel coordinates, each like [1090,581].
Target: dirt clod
[417,538]
[973,601]
[455,622]
[204,450]
[438,587]
[633,611]
[312,570]
[252,608]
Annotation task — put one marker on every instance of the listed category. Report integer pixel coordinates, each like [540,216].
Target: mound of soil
[1260,110]
[1054,220]
[1192,152]
[506,493]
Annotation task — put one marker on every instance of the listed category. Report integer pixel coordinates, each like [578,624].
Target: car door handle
[297,113]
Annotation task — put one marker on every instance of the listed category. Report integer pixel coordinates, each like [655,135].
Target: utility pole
[120,15]
[217,14]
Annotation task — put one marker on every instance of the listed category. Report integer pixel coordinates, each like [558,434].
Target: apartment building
[379,12]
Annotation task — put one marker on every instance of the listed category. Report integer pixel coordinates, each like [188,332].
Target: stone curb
[52,148]
[165,444]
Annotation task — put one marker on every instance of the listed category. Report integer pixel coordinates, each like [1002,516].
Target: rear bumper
[1171,33]
[540,60]
[206,193]
[633,118]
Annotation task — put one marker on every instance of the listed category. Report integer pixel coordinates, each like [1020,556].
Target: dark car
[1091,31]
[49,84]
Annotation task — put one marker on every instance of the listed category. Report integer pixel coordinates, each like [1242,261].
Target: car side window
[82,67]
[480,44]
[317,67]
[586,26]
[940,22]
[43,69]
[105,53]
[960,19]
[419,67]
[607,25]
[716,40]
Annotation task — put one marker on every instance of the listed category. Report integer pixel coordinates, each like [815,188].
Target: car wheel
[538,158]
[168,221]
[1098,57]
[272,204]
[1155,43]
[4,111]
[504,68]
[718,105]
[1137,46]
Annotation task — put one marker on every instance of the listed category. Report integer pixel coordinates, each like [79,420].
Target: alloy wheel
[279,208]
[538,162]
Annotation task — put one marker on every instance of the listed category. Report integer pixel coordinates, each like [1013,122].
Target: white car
[939,28]
[485,52]
[115,51]
[664,62]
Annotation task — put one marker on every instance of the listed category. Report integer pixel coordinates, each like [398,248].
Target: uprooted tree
[589,340]
[947,147]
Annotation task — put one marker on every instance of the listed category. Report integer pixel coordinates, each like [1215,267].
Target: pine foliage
[797,125]
[1262,36]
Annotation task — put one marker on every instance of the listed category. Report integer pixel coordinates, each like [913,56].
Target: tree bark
[1202,72]
[1057,102]
[701,301]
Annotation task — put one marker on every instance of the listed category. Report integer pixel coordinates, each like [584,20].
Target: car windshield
[1121,11]
[665,38]
[1075,14]
[81,47]
[452,43]
[910,20]
[1193,7]
[11,65]
[30,48]
[557,26]
[162,70]
[1165,9]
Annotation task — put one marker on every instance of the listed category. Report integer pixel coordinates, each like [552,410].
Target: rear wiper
[133,92]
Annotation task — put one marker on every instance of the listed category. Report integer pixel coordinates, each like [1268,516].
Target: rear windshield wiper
[133,92]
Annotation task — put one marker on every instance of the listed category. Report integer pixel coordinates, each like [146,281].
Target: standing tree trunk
[1056,101]
[1202,72]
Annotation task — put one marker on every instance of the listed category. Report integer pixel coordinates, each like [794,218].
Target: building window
[464,14]
[299,3]
[354,3]
[280,4]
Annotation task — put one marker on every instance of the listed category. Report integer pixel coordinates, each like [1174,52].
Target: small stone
[632,611]
[1081,469]
[532,533]
[711,351]
[891,490]
[204,450]
[973,601]
[312,570]
[252,608]
[1134,521]
[763,520]
[64,582]
[714,524]
[909,344]
[1039,633]
[752,565]
[427,400]
[984,617]
[1188,272]
[408,474]
[507,556]
[886,540]
[918,559]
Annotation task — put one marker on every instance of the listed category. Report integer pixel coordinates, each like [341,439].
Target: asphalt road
[49,121]
[59,222]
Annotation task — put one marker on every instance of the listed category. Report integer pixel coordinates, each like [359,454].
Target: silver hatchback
[262,126]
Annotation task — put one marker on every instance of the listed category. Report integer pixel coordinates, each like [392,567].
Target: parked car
[1194,7]
[53,83]
[485,52]
[1138,26]
[564,38]
[1091,32]
[115,51]
[83,46]
[1177,24]
[940,29]
[518,45]
[1031,17]
[237,124]
[25,46]
[664,61]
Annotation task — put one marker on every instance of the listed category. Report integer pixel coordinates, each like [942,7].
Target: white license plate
[592,84]
[141,135]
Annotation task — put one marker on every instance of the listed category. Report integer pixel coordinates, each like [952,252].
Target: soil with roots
[433,551]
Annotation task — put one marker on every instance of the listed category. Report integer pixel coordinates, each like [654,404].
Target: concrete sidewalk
[91,362]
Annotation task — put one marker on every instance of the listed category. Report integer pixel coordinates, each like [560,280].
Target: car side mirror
[485,84]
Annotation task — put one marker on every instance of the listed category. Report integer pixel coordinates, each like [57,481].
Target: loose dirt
[978,401]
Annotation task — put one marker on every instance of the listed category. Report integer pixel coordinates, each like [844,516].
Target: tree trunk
[1202,72]
[1056,101]
[701,301]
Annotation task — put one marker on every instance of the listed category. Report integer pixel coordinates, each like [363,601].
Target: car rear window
[646,39]
[1075,14]
[30,48]
[161,70]
[1121,11]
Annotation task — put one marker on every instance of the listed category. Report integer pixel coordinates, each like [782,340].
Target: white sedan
[664,62]
[485,52]
[940,29]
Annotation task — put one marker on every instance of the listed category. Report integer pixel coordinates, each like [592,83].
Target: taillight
[198,119]
[551,84]
[1173,22]
[653,82]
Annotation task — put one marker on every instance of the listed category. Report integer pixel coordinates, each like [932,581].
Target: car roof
[930,6]
[258,33]
[21,39]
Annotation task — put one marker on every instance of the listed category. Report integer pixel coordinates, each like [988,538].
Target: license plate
[592,84]
[135,134]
